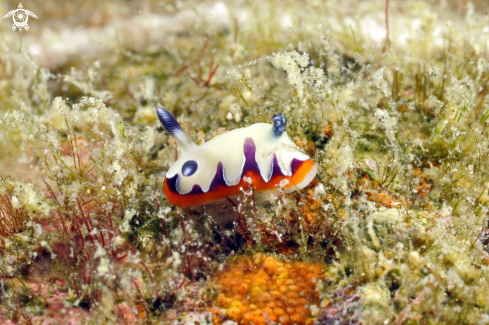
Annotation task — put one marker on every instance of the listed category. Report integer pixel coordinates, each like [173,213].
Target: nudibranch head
[260,156]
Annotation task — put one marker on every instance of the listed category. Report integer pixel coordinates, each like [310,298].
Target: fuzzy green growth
[397,215]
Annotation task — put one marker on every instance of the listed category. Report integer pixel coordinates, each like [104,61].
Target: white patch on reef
[175,260]
[388,215]
[219,10]
[286,21]
[483,319]
[234,109]
[319,190]
[445,210]
[15,202]
[454,280]
[371,233]
[292,62]
[148,89]
[128,214]
[118,241]
[371,164]
[119,174]
[30,198]
[163,212]
[104,265]
[45,244]
[372,295]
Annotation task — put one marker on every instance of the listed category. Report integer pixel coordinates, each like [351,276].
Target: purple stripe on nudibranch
[218,178]
[196,189]
[276,170]
[172,183]
[295,165]
[216,181]
[250,164]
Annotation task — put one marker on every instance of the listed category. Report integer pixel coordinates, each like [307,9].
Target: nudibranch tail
[279,124]
[172,126]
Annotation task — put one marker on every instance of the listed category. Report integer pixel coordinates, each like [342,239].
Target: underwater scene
[244,162]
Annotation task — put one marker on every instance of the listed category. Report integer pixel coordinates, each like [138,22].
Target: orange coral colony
[260,290]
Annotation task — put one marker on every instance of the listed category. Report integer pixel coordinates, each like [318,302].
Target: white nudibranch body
[221,167]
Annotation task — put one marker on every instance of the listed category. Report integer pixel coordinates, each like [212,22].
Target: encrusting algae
[260,290]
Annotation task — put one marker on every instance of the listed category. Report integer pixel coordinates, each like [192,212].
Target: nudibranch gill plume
[260,156]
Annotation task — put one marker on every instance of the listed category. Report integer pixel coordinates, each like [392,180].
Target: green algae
[83,152]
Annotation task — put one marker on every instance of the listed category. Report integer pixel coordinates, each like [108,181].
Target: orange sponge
[260,289]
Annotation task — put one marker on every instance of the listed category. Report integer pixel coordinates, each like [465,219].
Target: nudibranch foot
[260,157]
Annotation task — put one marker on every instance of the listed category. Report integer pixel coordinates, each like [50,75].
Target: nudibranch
[260,156]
